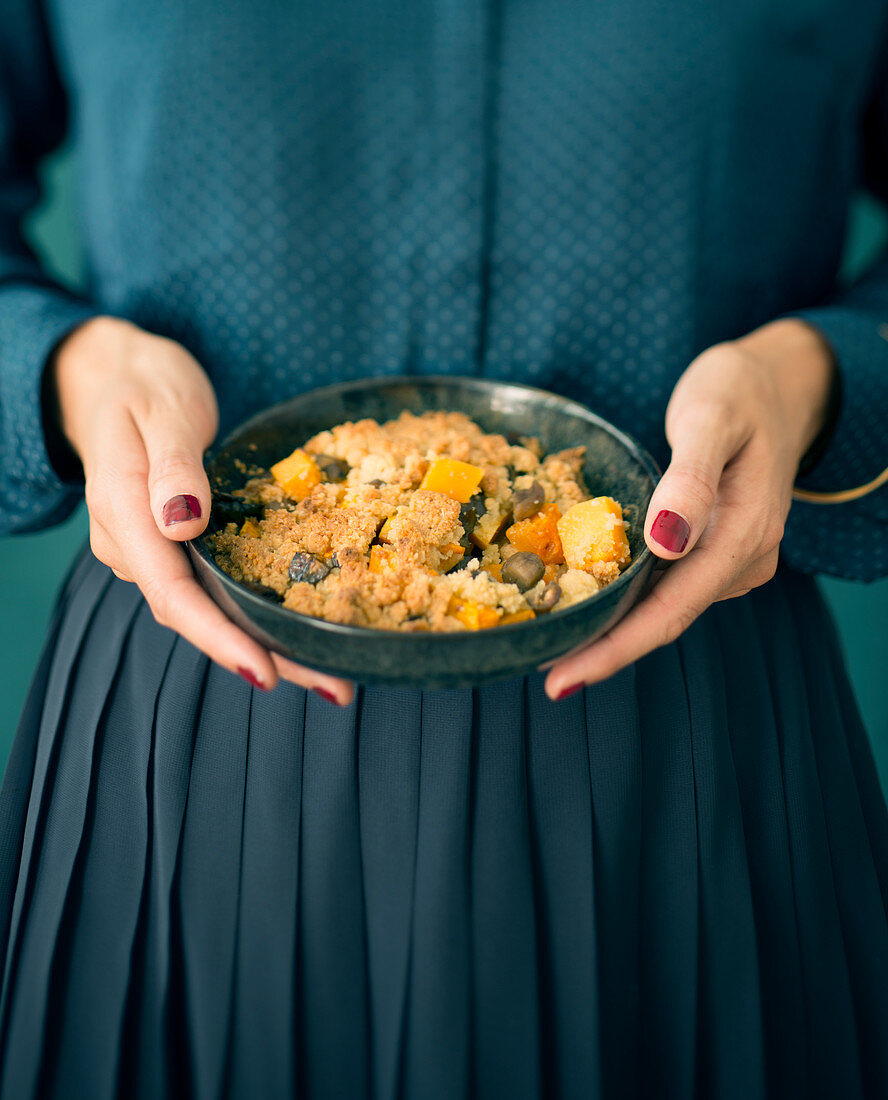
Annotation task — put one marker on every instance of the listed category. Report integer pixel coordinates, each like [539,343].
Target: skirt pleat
[156,1059]
[20,769]
[207,889]
[388,790]
[672,884]
[561,841]
[613,746]
[730,1044]
[752,729]
[105,901]
[332,975]
[42,942]
[668,881]
[505,967]
[855,875]
[262,1041]
[436,1047]
[833,1060]
[78,605]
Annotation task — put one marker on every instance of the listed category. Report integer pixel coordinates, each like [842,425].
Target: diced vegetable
[383,558]
[297,475]
[468,517]
[228,508]
[478,502]
[307,568]
[332,469]
[517,617]
[489,526]
[474,615]
[594,531]
[250,529]
[455,479]
[454,554]
[545,600]
[385,532]
[527,502]
[524,569]
[539,535]
[552,572]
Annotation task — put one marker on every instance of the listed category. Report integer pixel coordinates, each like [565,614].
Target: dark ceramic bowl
[615,465]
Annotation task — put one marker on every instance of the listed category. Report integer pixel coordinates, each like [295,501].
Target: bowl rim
[440,637]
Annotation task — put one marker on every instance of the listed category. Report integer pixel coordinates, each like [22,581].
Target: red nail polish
[251,678]
[571,689]
[328,695]
[671,530]
[179,509]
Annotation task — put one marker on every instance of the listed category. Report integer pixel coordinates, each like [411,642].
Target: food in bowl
[421,523]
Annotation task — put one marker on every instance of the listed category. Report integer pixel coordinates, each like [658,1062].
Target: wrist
[802,368]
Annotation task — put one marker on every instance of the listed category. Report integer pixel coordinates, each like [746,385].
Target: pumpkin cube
[455,479]
[383,559]
[517,617]
[594,531]
[490,526]
[539,535]
[297,475]
[474,615]
[453,555]
[551,573]
[250,529]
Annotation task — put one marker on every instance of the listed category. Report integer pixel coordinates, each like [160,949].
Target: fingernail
[672,531]
[571,689]
[251,678]
[328,695]
[179,509]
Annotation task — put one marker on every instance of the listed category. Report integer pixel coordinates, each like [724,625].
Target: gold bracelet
[841,495]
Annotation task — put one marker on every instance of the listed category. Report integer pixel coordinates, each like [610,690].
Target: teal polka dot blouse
[581,196]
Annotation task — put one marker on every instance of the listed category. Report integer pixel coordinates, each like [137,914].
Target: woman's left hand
[738,422]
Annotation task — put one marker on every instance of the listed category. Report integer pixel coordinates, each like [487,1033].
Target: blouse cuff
[33,321]
[855,453]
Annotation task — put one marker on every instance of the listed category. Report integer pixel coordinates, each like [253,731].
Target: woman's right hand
[139,411]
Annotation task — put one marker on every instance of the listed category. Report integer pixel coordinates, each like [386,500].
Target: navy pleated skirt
[673,884]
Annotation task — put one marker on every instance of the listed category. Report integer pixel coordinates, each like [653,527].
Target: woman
[672,883]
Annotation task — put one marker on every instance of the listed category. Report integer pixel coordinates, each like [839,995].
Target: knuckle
[767,568]
[772,534]
[704,414]
[173,463]
[160,611]
[97,494]
[696,483]
[158,602]
[671,620]
[100,547]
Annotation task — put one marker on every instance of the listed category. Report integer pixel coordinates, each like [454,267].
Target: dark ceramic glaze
[615,465]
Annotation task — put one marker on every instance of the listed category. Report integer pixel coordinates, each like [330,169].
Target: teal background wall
[32,566]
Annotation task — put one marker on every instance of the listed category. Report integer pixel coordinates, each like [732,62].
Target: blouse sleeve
[851,540]
[35,313]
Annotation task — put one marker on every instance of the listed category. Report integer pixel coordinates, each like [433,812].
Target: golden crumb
[368,547]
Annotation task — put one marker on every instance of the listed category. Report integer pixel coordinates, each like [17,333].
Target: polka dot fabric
[672,884]
[574,196]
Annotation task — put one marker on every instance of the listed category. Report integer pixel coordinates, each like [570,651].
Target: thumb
[680,506]
[177,483]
